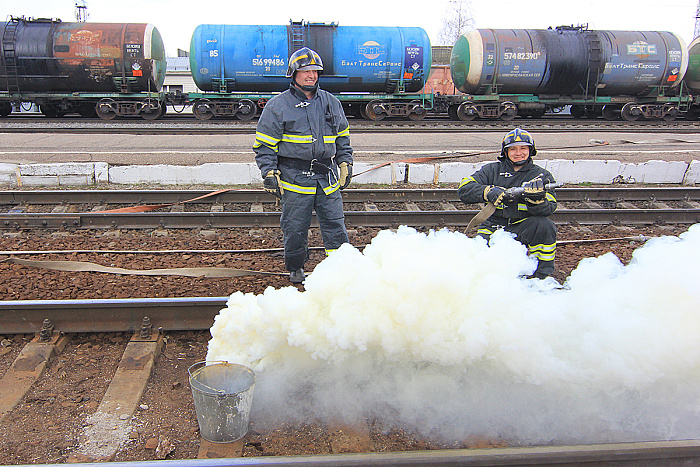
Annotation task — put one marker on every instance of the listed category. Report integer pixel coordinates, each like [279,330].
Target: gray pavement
[129,149]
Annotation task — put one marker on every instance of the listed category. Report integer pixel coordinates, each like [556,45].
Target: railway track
[183,125]
[133,354]
[94,209]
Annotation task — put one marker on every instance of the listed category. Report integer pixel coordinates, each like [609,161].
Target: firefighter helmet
[306,59]
[518,136]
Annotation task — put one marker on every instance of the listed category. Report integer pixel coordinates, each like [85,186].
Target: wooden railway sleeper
[121,399]
[27,368]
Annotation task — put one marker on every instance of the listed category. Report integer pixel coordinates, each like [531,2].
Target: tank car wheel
[363,112]
[452,112]
[106,109]
[418,112]
[693,113]
[670,113]
[610,112]
[581,111]
[151,109]
[5,109]
[246,110]
[48,110]
[201,109]
[577,111]
[153,114]
[262,102]
[87,110]
[594,112]
[467,111]
[371,113]
[537,113]
[630,112]
[508,111]
[352,110]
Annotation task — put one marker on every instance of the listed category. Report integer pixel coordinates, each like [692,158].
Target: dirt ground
[20,282]
[47,426]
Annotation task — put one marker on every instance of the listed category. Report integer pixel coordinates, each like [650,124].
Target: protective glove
[494,195]
[534,191]
[345,174]
[271,183]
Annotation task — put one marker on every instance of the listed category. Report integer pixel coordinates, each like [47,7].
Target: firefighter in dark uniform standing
[525,216]
[302,147]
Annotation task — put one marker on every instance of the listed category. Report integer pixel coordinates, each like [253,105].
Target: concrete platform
[244,174]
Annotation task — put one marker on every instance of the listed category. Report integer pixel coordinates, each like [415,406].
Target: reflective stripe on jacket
[295,127]
[501,173]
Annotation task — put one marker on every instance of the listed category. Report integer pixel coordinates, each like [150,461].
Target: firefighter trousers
[297,209]
[538,233]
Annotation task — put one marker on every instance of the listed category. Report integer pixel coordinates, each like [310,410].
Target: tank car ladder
[297,35]
[9,53]
[595,53]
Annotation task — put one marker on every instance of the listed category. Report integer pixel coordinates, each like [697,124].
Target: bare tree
[457,19]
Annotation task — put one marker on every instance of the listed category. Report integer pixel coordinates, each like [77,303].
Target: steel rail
[110,315]
[191,313]
[173,126]
[223,220]
[653,453]
[354,195]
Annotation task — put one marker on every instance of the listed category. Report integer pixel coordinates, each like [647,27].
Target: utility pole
[81,13]
[696,33]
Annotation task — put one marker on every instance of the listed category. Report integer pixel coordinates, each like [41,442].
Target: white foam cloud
[441,332]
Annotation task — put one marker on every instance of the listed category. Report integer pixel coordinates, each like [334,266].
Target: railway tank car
[692,78]
[241,58]
[65,67]
[616,73]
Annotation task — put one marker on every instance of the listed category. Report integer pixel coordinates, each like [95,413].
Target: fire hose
[490,208]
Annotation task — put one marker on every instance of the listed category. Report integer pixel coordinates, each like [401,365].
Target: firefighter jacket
[473,190]
[293,131]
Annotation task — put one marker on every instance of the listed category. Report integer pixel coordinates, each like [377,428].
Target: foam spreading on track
[442,334]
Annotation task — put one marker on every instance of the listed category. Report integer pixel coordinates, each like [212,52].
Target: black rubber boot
[297,277]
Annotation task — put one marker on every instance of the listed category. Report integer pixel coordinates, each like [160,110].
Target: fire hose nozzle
[518,190]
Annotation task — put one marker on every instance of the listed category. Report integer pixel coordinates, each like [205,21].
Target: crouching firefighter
[526,214]
[302,147]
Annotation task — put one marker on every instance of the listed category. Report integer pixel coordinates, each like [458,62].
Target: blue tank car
[356,59]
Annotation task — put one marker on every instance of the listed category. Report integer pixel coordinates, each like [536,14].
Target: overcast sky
[176,19]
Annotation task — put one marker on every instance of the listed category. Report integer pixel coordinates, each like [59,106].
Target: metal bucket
[223,396]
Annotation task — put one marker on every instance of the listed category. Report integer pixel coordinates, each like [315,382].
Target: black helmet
[518,136]
[306,59]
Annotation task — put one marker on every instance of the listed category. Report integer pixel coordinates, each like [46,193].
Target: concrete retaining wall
[564,171]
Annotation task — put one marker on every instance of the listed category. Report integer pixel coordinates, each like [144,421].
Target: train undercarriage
[373,107]
[628,108]
[107,106]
